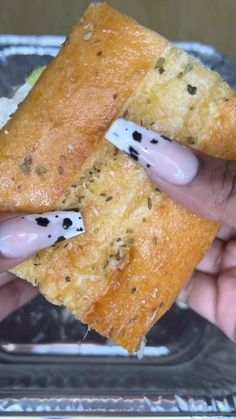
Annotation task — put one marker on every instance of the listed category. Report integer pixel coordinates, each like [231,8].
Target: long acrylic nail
[24,235]
[159,155]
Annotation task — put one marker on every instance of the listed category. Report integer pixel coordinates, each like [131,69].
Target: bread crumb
[87,35]
[95,211]
[89,26]
[70,147]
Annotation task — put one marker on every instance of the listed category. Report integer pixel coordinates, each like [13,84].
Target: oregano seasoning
[28,160]
[125,113]
[149,203]
[109,198]
[191,89]
[191,140]
[154,240]
[60,170]
[25,166]
[40,170]
[159,65]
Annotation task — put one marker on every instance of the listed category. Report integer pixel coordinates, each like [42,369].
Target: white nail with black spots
[26,234]
[160,156]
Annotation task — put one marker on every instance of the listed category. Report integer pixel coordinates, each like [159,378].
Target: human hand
[20,237]
[207,186]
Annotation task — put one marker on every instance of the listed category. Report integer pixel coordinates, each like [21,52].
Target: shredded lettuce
[34,75]
[9,105]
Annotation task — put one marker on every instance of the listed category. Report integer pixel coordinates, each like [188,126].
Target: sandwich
[139,247]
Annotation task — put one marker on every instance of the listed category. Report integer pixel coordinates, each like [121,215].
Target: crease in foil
[119,405]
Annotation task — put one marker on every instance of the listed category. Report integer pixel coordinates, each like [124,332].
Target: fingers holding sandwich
[14,293]
[204,184]
[207,186]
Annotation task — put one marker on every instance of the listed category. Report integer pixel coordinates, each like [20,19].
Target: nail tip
[35,232]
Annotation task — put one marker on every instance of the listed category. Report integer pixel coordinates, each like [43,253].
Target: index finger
[15,294]
[214,298]
[226,232]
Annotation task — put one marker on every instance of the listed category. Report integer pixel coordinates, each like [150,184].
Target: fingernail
[27,234]
[160,156]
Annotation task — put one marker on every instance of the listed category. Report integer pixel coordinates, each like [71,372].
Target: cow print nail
[58,225]
[156,153]
[137,141]
[25,235]
[42,221]
[67,223]
[137,136]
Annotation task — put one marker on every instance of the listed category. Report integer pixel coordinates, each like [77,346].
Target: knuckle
[225,313]
[227,190]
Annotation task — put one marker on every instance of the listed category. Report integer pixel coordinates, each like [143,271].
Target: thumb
[204,184]
[22,235]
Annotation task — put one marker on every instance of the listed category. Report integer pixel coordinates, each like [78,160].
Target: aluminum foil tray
[51,365]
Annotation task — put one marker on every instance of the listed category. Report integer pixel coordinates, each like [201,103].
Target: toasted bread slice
[139,246]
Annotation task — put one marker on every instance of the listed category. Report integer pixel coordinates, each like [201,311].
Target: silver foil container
[52,366]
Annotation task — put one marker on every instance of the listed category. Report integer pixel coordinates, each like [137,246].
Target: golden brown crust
[162,101]
[71,106]
[142,290]
[221,138]
[128,267]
